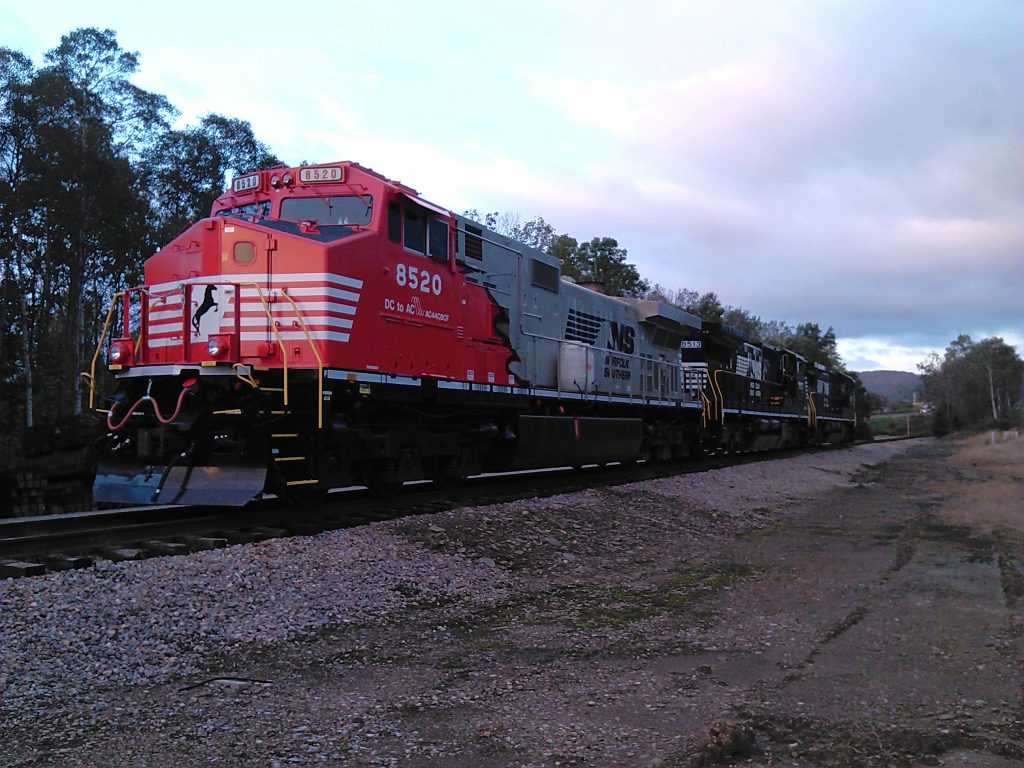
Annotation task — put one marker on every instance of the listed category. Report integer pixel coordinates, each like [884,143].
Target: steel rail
[168,529]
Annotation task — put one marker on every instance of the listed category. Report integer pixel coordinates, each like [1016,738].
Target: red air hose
[156,409]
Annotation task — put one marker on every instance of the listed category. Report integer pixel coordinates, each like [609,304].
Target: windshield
[253,210]
[326,210]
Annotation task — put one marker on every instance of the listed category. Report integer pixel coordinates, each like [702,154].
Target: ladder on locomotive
[294,430]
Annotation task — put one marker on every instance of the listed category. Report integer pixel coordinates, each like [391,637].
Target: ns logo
[623,338]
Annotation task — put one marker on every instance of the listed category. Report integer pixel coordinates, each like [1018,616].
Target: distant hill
[894,386]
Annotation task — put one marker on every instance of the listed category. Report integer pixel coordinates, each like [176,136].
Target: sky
[857,164]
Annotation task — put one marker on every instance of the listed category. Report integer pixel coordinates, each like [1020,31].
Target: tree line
[974,384]
[93,178]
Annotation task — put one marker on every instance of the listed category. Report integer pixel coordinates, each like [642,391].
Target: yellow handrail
[277,333]
[319,361]
[99,347]
[242,374]
[284,351]
[721,398]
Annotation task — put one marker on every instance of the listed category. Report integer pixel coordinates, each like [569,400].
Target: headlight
[217,346]
[120,352]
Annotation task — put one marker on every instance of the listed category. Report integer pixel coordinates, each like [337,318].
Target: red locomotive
[326,326]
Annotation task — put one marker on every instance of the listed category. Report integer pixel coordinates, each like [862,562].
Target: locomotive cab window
[394,223]
[418,231]
[415,226]
[327,210]
[438,240]
[250,211]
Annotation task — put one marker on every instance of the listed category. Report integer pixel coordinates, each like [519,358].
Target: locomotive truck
[326,326]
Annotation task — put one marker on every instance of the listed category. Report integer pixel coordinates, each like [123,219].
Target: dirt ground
[878,624]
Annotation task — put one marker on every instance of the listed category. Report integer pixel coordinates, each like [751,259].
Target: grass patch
[584,608]
[901,425]
[620,606]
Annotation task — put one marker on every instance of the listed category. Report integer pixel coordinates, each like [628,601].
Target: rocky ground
[859,607]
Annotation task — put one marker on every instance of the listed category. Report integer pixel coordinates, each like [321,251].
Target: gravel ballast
[415,641]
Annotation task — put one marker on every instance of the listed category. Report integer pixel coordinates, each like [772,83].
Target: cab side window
[394,223]
[415,231]
[438,240]
[418,231]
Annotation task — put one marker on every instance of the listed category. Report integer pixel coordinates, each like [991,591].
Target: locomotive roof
[665,315]
[283,179]
[723,333]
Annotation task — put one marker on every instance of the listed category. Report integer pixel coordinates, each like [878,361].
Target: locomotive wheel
[446,477]
[380,479]
[383,489]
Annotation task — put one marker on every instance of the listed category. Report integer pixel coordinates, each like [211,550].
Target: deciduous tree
[600,260]
[534,232]
[81,207]
[808,340]
[974,384]
[92,122]
[188,169]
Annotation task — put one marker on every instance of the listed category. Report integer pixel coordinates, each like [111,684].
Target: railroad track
[33,546]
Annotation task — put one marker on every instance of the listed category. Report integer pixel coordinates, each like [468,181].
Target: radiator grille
[582,326]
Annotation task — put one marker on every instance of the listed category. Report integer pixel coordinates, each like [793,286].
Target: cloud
[869,353]
[869,180]
[959,234]
[592,104]
[873,354]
